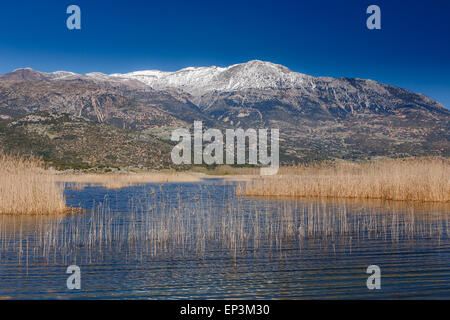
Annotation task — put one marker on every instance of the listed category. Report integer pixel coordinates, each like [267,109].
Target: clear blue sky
[320,37]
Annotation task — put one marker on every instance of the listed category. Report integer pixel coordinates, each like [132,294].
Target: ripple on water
[198,241]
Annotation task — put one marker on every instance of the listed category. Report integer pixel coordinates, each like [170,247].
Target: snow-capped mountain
[250,83]
[247,85]
[345,117]
[197,81]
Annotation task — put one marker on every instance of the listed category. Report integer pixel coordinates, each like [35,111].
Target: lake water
[200,241]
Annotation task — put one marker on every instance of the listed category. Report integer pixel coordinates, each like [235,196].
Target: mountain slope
[66,141]
[318,117]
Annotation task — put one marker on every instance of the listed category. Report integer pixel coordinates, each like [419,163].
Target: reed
[157,224]
[426,179]
[122,180]
[26,188]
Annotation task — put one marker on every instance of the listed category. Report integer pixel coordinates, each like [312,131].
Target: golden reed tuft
[425,179]
[27,188]
[123,180]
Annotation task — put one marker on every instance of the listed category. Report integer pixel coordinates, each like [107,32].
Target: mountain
[318,117]
[66,141]
[200,81]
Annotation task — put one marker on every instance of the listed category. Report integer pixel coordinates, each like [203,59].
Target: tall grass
[408,180]
[122,180]
[157,224]
[26,188]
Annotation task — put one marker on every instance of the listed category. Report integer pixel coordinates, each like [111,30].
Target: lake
[200,241]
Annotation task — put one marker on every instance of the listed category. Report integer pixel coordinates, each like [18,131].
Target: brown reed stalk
[26,188]
[426,179]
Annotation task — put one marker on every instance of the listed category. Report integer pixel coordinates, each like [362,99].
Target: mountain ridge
[156,75]
[318,117]
[204,81]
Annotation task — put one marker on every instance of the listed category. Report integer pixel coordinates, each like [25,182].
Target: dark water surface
[200,241]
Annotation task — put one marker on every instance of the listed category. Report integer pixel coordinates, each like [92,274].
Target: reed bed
[122,180]
[227,170]
[426,180]
[164,225]
[26,188]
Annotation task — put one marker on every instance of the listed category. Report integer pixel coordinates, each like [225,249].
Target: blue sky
[320,38]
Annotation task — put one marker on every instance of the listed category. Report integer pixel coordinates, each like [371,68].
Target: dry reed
[27,188]
[122,180]
[408,180]
[158,224]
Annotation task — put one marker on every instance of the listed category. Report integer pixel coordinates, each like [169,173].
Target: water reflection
[197,240]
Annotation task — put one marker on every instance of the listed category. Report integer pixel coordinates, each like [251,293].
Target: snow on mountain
[197,81]
[209,86]
[58,75]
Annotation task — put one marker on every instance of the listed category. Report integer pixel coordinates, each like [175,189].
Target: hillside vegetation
[65,141]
